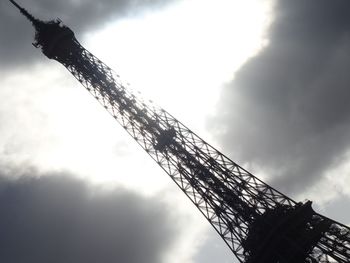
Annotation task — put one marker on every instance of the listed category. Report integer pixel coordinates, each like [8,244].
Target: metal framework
[257,222]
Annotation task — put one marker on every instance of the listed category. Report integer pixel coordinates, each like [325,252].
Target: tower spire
[49,35]
[29,16]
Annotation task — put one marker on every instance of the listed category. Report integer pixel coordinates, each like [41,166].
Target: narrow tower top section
[36,22]
[49,35]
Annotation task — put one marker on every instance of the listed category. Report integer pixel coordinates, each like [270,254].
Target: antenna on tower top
[29,16]
[46,33]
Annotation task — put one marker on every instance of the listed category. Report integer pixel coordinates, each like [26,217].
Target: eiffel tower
[257,222]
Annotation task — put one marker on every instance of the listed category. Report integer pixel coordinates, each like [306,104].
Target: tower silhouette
[256,221]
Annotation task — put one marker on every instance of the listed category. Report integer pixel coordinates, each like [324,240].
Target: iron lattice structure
[257,222]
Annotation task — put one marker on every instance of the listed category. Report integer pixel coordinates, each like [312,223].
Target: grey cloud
[338,209]
[60,219]
[288,110]
[81,16]
[215,250]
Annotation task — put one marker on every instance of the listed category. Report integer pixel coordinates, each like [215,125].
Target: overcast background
[264,81]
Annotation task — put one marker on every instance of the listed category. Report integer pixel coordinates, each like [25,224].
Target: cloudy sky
[265,81]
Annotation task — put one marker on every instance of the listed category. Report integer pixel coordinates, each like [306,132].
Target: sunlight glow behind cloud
[181,56]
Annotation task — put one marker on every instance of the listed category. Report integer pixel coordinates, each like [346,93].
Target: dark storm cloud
[59,219]
[81,16]
[288,110]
